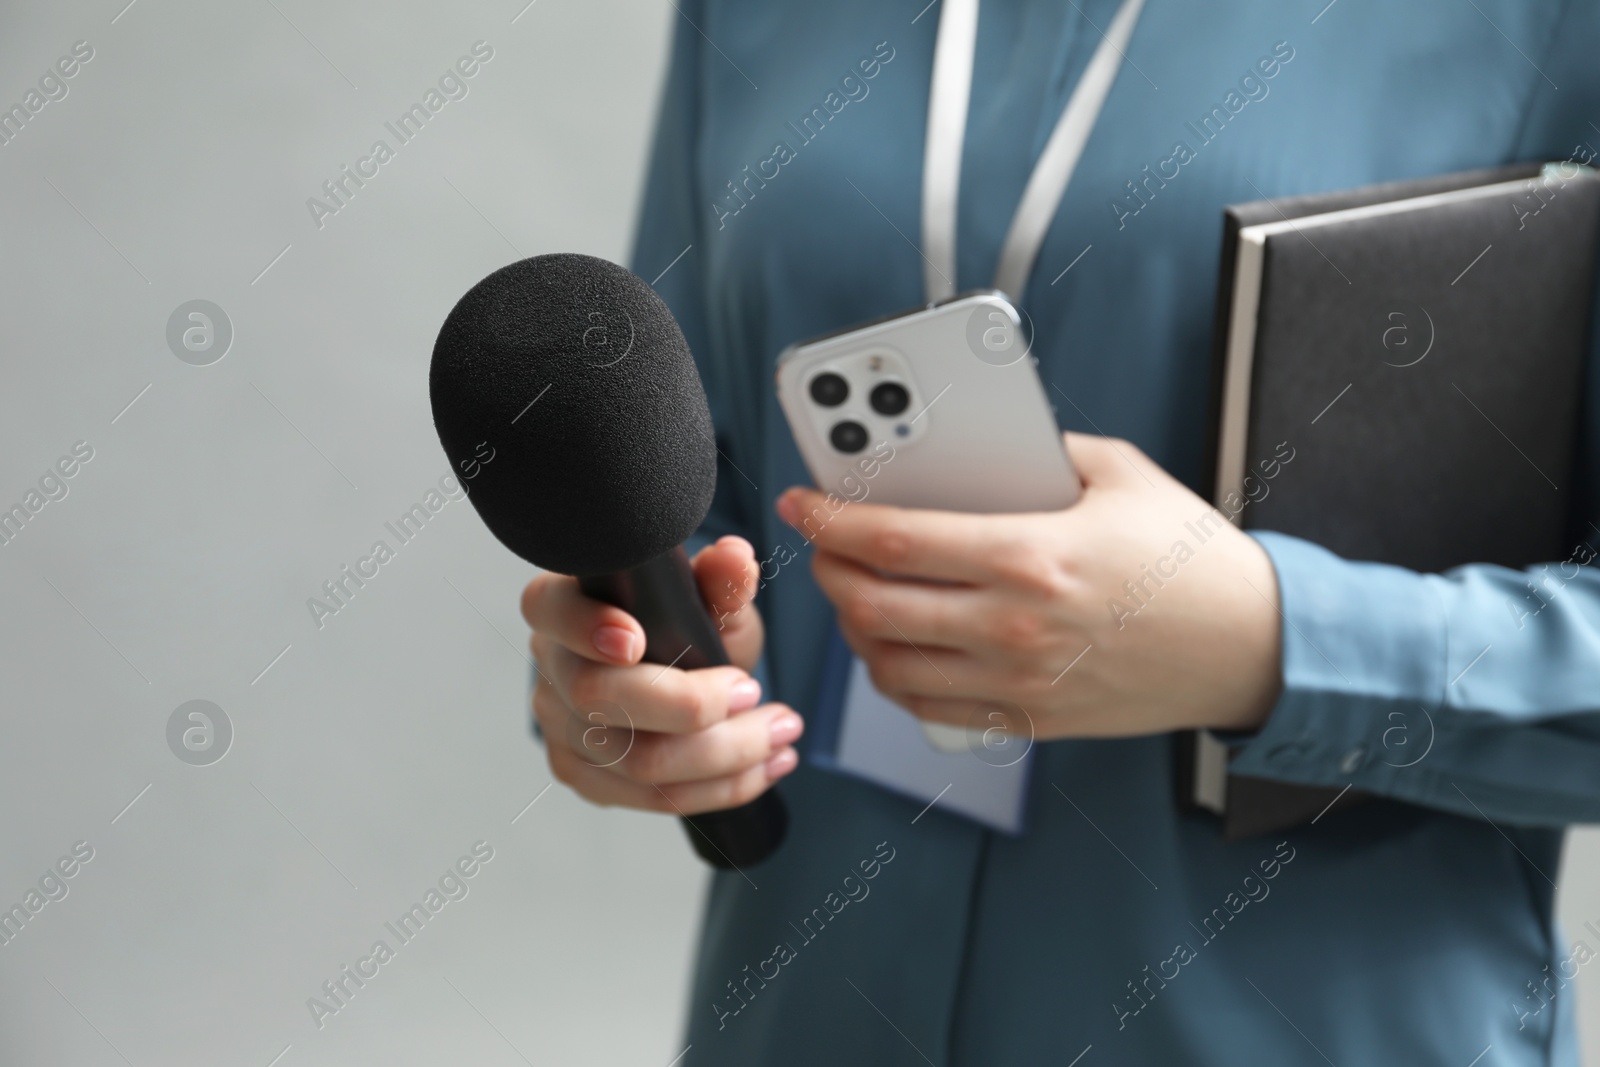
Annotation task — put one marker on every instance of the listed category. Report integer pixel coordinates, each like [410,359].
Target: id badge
[860,732]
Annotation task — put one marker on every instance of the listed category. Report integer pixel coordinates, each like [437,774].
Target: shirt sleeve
[1476,691]
[667,244]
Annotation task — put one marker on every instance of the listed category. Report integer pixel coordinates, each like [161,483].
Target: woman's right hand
[658,738]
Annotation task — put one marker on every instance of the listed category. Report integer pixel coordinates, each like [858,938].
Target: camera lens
[889,398]
[829,389]
[848,437]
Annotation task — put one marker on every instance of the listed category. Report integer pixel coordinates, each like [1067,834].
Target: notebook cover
[1440,437]
[1237,216]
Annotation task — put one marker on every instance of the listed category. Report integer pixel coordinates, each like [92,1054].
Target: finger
[734,791]
[1109,461]
[602,738]
[728,576]
[548,708]
[553,605]
[647,696]
[891,609]
[685,798]
[729,748]
[914,542]
[920,670]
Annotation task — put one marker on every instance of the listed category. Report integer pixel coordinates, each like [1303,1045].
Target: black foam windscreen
[570,372]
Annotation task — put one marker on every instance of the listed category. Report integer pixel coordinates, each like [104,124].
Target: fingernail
[786,507]
[785,729]
[744,695]
[781,764]
[614,642]
[745,548]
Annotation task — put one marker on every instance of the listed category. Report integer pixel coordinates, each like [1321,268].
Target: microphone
[574,371]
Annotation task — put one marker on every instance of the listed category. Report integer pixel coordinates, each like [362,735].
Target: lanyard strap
[948,99]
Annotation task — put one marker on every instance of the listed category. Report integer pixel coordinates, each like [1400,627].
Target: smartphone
[939,407]
[944,401]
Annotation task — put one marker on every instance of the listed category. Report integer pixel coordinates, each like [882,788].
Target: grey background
[369,755]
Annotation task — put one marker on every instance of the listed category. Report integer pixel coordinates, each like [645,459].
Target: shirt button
[1352,760]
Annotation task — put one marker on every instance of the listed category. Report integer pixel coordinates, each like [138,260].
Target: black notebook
[1419,348]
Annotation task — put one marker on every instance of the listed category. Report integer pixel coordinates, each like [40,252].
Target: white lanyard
[953,54]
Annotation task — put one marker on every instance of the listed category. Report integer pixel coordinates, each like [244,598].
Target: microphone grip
[663,595]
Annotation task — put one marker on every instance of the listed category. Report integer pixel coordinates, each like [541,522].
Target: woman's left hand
[1140,609]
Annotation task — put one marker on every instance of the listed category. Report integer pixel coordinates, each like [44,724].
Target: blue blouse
[783,201]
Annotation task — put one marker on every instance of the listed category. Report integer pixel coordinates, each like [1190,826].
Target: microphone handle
[663,595]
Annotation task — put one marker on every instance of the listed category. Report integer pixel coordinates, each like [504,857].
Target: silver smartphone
[944,401]
[940,407]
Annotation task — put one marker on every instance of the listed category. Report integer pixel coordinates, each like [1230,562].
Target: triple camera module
[887,397]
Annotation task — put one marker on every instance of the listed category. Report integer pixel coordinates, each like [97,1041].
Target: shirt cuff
[1364,661]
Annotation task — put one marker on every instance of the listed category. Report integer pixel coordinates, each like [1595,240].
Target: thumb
[728,576]
[1107,461]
